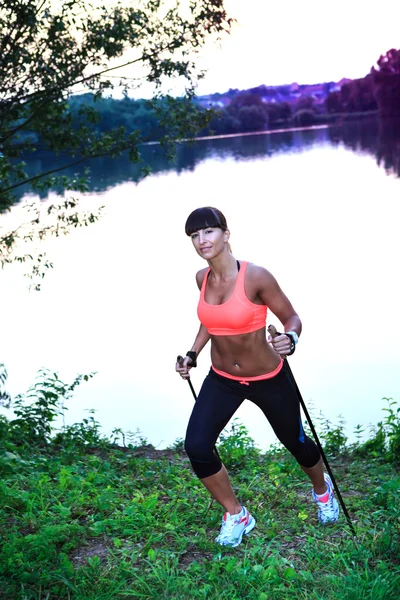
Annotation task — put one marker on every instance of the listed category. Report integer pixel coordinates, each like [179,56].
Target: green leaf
[289,573]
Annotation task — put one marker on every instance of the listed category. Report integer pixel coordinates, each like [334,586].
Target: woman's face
[210,242]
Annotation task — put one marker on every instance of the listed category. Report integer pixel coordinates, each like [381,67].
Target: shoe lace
[227,527]
[327,507]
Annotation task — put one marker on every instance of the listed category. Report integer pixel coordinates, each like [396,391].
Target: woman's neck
[223,267]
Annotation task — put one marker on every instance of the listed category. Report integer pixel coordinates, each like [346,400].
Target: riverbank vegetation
[261,108]
[89,517]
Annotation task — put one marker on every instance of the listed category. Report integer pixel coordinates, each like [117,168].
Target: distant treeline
[106,114]
[262,108]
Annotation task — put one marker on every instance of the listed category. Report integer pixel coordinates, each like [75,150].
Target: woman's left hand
[281,344]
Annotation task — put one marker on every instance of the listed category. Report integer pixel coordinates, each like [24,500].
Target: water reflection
[379,138]
[107,172]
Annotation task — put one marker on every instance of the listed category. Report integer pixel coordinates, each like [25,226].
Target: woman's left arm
[270,293]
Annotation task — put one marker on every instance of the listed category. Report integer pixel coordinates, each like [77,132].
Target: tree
[304,118]
[223,122]
[249,110]
[333,103]
[358,95]
[388,64]
[386,78]
[305,103]
[50,50]
[278,113]
[244,99]
[252,118]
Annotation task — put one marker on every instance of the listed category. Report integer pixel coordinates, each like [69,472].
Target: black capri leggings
[219,399]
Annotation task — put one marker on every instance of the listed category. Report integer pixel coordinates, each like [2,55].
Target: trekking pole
[180,360]
[273,332]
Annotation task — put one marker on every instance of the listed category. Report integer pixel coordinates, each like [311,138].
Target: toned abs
[247,355]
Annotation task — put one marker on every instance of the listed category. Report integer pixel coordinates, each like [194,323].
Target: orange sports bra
[236,315]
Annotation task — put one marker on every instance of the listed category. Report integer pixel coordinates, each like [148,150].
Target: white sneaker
[328,512]
[234,527]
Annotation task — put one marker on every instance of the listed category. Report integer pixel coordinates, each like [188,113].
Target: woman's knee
[204,460]
[305,452]
[194,448]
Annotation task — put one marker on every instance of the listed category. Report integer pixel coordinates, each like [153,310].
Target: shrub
[236,447]
[385,441]
[39,407]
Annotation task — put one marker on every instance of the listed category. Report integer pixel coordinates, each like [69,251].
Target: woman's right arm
[200,341]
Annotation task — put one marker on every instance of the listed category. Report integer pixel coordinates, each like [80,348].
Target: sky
[305,42]
[274,43]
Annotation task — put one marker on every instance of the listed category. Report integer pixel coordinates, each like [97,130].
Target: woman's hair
[207,216]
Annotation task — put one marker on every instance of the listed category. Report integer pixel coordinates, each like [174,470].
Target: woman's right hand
[183,366]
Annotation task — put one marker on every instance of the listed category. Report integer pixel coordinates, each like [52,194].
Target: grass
[83,518]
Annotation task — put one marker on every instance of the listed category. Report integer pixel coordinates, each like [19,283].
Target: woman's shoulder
[259,275]
[200,277]
[256,270]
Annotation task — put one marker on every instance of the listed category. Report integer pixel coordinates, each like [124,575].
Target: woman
[234,296]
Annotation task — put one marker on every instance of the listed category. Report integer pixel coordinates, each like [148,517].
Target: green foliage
[388,63]
[358,95]
[385,440]
[253,118]
[179,444]
[386,78]
[333,103]
[304,117]
[86,434]
[332,436]
[103,526]
[98,522]
[38,409]
[391,427]
[135,439]
[236,447]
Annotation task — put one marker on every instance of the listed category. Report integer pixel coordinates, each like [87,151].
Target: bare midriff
[244,355]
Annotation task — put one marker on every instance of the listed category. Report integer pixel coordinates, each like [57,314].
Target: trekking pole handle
[180,360]
[272,331]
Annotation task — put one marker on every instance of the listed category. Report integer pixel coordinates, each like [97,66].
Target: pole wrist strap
[193,357]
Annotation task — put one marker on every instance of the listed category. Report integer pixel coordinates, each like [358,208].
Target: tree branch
[20,33]
[68,84]
[52,171]
[12,132]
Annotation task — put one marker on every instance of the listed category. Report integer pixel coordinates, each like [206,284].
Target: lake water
[320,209]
